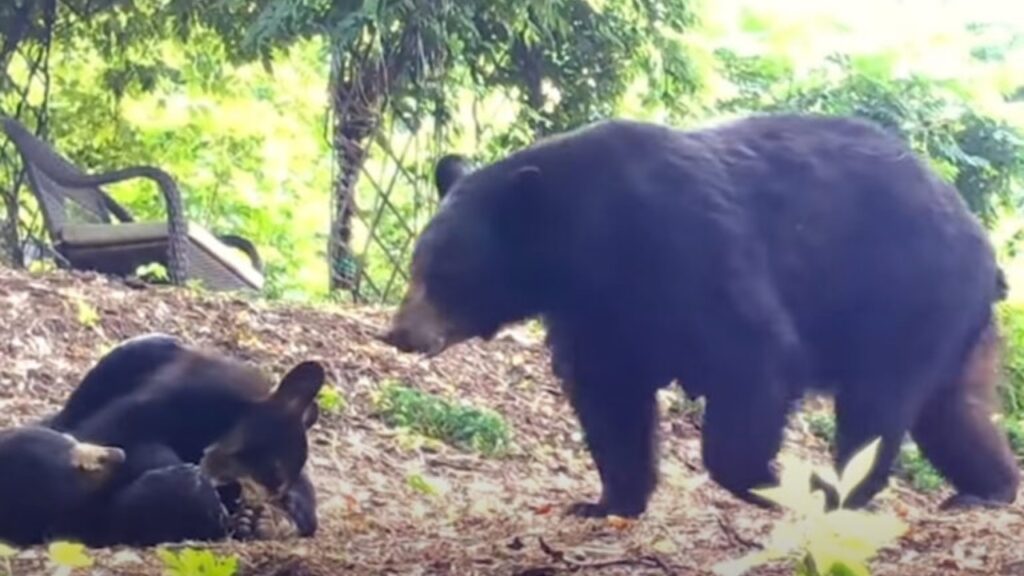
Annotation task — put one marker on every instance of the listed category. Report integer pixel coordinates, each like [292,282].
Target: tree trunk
[356,111]
[13,37]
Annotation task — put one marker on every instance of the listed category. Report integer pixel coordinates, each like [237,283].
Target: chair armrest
[244,245]
[177,231]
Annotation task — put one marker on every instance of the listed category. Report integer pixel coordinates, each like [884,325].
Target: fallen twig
[574,566]
[734,536]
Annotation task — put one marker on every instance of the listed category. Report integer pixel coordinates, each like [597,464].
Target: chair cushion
[85,235]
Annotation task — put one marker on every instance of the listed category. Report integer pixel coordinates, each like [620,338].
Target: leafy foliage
[192,562]
[265,180]
[822,425]
[65,557]
[982,155]
[1011,320]
[822,543]
[462,426]
[331,399]
[913,466]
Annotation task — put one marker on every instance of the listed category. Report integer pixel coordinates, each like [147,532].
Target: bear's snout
[417,326]
[407,339]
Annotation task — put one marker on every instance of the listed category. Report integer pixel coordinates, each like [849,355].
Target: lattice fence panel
[395,197]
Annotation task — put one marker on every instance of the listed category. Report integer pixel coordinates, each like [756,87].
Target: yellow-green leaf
[828,476]
[69,555]
[858,468]
[420,484]
[828,553]
[744,564]
[865,531]
[664,546]
[6,551]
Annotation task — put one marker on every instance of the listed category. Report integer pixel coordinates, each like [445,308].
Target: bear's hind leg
[956,433]
[862,415]
[741,436]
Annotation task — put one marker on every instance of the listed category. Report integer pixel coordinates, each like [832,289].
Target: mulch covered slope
[488,516]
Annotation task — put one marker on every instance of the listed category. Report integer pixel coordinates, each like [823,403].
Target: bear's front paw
[966,502]
[587,510]
[602,510]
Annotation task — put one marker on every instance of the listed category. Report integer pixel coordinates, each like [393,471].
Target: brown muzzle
[418,326]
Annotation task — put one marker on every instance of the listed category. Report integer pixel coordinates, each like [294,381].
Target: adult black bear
[751,261]
[167,405]
[46,479]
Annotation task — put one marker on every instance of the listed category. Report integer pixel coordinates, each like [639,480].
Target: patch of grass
[1011,326]
[330,399]
[913,467]
[680,405]
[461,426]
[66,557]
[86,313]
[154,272]
[1015,430]
[822,425]
[191,562]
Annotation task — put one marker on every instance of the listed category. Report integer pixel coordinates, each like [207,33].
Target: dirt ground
[489,516]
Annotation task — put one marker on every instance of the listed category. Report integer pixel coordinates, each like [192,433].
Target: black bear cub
[46,479]
[187,421]
[751,262]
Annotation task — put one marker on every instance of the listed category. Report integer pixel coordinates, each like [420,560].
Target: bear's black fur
[167,405]
[172,503]
[48,481]
[119,372]
[751,261]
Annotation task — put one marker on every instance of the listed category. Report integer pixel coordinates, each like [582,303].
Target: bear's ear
[528,180]
[298,389]
[527,186]
[523,208]
[450,168]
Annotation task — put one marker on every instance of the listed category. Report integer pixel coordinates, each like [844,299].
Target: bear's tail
[979,361]
[1002,287]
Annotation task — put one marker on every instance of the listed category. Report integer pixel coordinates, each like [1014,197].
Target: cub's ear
[298,389]
[449,170]
[311,415]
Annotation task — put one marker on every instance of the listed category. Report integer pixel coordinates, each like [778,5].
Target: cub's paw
[262,522]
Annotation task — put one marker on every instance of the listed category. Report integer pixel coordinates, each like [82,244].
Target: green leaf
[420,484]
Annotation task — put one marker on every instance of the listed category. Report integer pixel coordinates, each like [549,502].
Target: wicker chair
[78,217]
